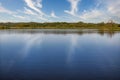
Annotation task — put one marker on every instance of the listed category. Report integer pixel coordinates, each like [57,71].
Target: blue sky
[59,10]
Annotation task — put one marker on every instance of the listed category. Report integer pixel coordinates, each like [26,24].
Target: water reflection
[72,46]
[23,44]
[59,55]
[30,41]
[59,31]
[109,33]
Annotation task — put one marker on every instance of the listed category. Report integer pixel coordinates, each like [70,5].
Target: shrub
[119,25]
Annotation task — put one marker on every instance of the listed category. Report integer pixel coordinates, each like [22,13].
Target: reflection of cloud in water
[25,40]
[100,48]
[29,42]
[73,45]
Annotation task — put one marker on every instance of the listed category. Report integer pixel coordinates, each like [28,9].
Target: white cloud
[38,3]
[42,18]
[28,11]
[91,14]
[35,9]
[35,5]
[18,16]
[104,11]
[113,7]
[74,7]
[53,15]
[109,9]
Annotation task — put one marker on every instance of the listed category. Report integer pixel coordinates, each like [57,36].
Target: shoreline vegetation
[61,25]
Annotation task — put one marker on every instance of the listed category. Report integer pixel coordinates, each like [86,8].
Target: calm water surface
[59,55]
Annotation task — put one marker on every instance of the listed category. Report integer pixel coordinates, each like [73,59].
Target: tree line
[59,25]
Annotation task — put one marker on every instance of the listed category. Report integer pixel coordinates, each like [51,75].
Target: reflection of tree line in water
[109,33]
[62,32]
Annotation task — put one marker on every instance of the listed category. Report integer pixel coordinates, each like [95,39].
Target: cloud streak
[74,7]
[4,10]
[18,16]
[35,5]
[34,8]
[91,14]
[29,12]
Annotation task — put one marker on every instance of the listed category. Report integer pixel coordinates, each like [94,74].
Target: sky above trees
[59,10]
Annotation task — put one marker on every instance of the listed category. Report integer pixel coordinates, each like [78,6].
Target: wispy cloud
[91,14]
[18,16]
[74,7]
[4,10]
[53,14]
[29,12]
[34,8]
[103,11]
[35,5]
[113,7]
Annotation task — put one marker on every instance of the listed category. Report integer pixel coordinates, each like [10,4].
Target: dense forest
[60,25]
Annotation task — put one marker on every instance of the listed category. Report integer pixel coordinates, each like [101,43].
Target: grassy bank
[61,25]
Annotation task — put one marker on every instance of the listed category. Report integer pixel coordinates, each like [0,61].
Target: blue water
[59,55]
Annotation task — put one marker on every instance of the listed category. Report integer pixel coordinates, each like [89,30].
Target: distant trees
[101,24]
[119,25]
[60,25]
